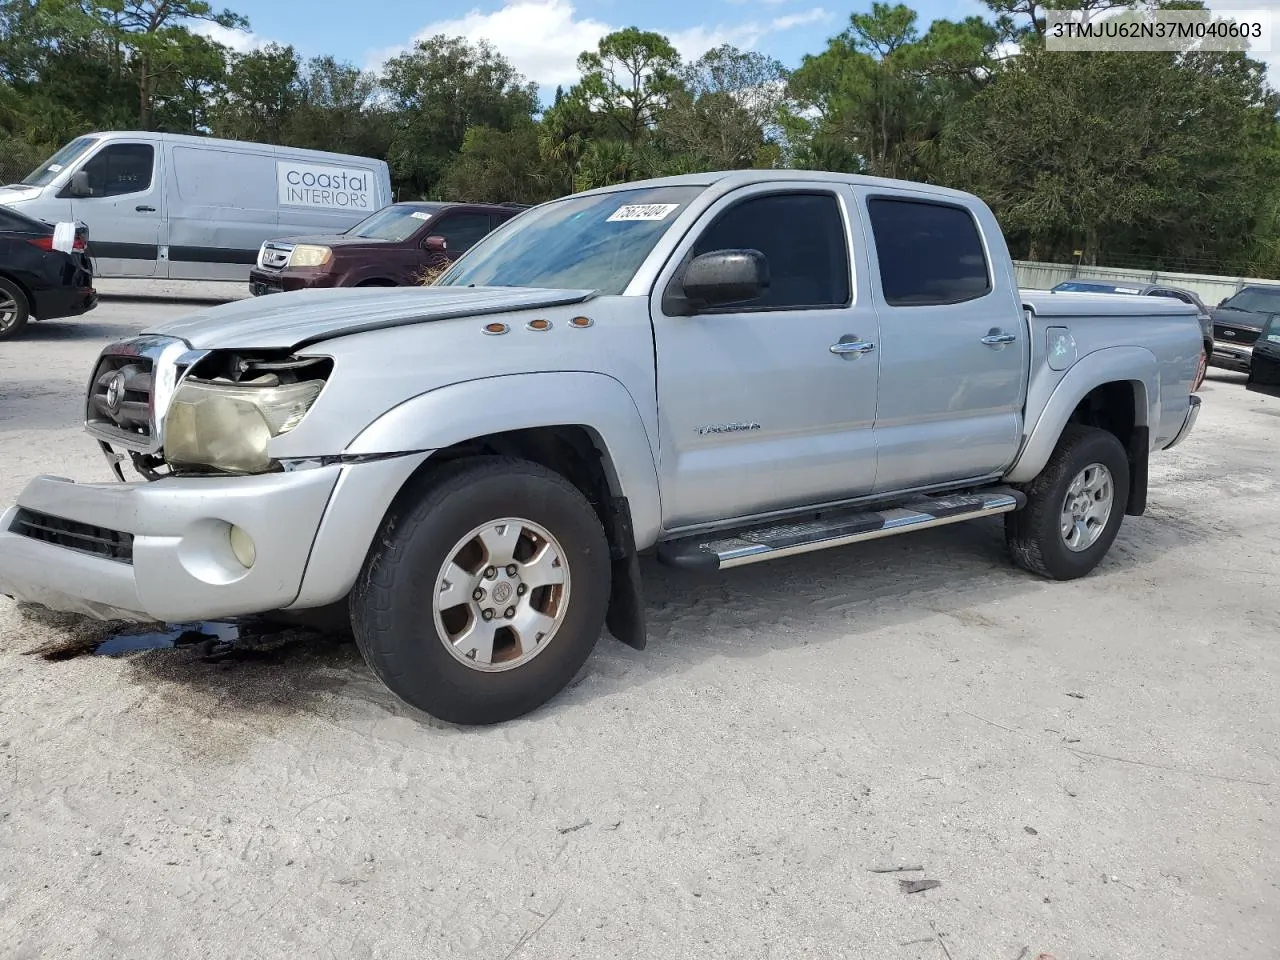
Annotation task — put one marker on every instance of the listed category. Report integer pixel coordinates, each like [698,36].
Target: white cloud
[241,41]
[543,38]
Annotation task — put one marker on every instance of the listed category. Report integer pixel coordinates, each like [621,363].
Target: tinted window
[461,231]
[929,253]
[1080,286]
[1256,300]
[120,168]
[801,235]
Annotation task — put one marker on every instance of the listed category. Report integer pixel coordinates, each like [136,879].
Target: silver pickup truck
[715,370]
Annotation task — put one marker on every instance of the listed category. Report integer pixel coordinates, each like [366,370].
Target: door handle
[143,208]
[994,339]
[851,347]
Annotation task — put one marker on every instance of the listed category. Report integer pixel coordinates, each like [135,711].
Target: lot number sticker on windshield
[419,215]
[643,211]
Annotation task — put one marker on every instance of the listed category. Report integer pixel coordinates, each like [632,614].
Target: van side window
[929,253]
[461,231]
[120,168]
[802,237]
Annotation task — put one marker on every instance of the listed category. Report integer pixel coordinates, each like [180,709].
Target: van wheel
[15,309]
[1074,507]
[485,591]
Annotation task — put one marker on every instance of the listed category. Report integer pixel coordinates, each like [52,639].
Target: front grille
[1230,333]
[120,395]
[274,255]
[74,535]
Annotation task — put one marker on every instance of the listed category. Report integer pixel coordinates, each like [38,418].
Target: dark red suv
[393,247]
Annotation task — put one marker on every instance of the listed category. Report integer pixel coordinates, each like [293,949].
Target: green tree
[260,94]
[1071,156]
[877,99]
[439,91]
[725,114]
[499,166]
[154,30]
[629,78]
[337,110]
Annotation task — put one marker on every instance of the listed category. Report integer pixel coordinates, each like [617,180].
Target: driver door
[124,211]
[756,412]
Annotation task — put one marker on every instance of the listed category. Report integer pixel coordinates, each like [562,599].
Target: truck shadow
[844,595]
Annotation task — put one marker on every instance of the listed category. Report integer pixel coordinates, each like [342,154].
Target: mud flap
[625,618]
[1139,457]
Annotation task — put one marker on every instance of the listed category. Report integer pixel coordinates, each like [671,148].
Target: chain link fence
[17,159]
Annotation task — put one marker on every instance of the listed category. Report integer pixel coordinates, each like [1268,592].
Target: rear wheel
[1074,507]
[15,309]
[485,593]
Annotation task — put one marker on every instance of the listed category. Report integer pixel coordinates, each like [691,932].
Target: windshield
[393,223]
[1255,300]
[43,175]
[1081,286]
[595,242]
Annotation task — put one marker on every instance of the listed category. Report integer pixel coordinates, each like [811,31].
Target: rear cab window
[930,252]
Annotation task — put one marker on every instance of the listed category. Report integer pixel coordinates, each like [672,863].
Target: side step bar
[721,550]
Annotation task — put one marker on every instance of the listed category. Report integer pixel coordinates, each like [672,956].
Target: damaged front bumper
[163,550]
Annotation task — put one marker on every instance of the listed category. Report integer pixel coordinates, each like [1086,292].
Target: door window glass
[801,235]
[461,231]
[929,253]
[120,168]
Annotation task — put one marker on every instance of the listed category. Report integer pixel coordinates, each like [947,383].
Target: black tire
[392,604]
[1034,533]
[21,313]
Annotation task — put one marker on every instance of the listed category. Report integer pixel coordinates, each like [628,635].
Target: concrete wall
[1042,276]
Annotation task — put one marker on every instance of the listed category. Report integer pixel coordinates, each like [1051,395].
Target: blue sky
[544,37]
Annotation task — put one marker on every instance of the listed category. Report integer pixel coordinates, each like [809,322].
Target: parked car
[1264,363]
[716,369]
[37,281]
[1237,322]
[1148,290]
[195,208]
[390,248]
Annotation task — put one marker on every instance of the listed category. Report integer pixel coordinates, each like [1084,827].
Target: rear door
[756,412]
[954,355]
[125,209]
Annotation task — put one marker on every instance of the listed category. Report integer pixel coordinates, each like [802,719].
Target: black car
[1264,368]
[1204,315]
[38,282]
[1237,323]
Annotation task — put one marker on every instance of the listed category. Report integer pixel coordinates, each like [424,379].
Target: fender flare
[1136,365]
[474,408]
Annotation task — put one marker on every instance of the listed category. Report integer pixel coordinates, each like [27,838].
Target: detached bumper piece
[836,528]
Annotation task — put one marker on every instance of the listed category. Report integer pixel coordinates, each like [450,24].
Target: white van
[194,208]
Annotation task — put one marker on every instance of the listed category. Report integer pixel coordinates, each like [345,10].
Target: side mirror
[1223,301]
[725,277]
[78,185]
[434,244]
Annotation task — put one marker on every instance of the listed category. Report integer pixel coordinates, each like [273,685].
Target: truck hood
[292,320]
[17,193]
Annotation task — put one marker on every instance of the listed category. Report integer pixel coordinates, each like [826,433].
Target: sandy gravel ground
[1090,769]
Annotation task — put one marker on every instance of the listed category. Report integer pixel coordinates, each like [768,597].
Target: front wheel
[1074,507]
[485,593]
